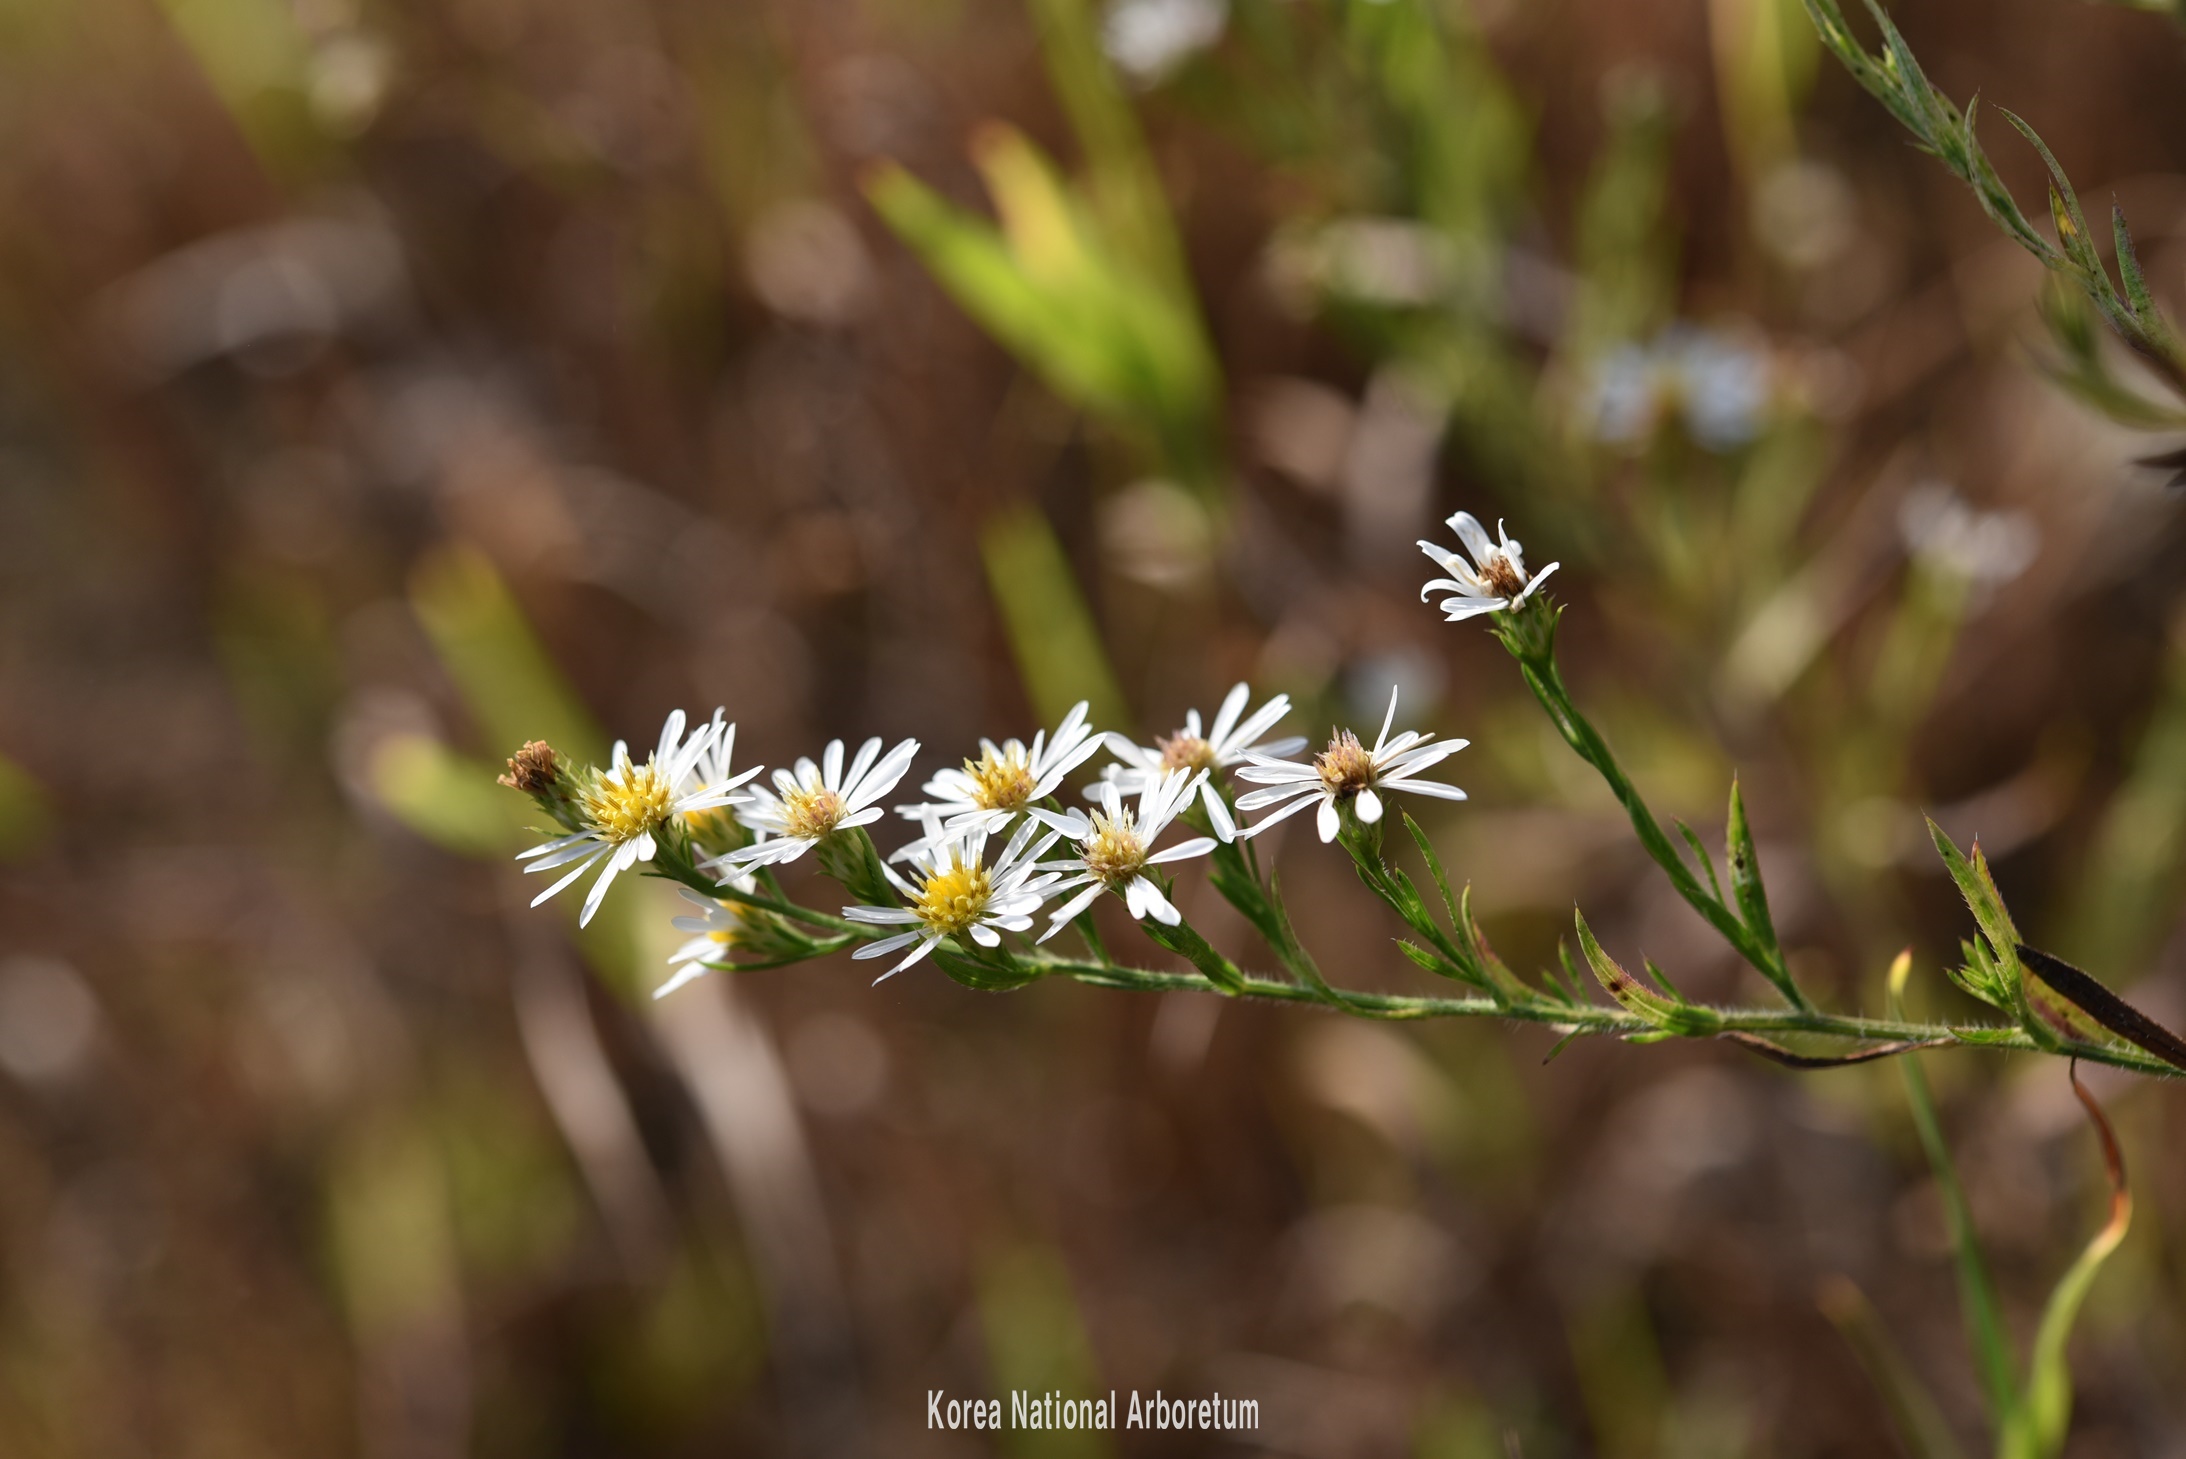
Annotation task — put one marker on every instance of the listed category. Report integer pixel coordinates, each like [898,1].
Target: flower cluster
[725,837]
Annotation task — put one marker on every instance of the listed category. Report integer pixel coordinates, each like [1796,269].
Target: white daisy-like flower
[812,802]
[1114,847]
[718,927]
[1232,737]
[958,895]
[1715,382]
[1346,769]
[1495,579]
[1004,780]
[625,808]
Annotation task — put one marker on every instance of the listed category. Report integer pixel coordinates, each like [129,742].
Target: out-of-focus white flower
[1114,847]
[1495,579]
[1987,549]
[806,807]
[1716,383]
[717,929]
[958,895]
[1347,770]
[1151,38]
[626,806]
[1005,779]
[1233,736]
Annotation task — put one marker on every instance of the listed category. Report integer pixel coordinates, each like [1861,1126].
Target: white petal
[1433,788]
[933,940]
[1387,720]
[985,936]
[687,973]
[599,890]
[572,876]
[1225,718]
[1139,896]
[1368,805]
[1330,821]
[1197,846]
[1246,833]
[888,945]
[1473,535]
[831,766]
[1218,811]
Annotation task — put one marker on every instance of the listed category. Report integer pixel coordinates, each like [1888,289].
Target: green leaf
[2079,1007]
[1987,905]
[1669,1016]
[1746,884]
[1189,945]
[1700,851]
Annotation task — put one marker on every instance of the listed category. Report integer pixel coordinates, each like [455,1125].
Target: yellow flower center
[625,807]
[810,812]
[1001,779]
[1115,854]
[1185,752]
[1345,767]
[952,900]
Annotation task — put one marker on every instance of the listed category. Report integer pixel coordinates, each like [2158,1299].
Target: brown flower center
[1182,751]
[1502,575]
[531,769]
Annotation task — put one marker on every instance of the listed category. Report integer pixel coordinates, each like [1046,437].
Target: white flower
[1716,382]
[715,930]
[1344,769]
[626,806]
[958,895]
[1227,743]
[814,802]
[1113,847]
[1004,780]
[1987,549]
[1498,581]
[1149,38]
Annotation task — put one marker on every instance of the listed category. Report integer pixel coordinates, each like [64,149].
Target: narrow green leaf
[1700,854]
[1621,985]
[2049,1378]
[1976,1292]
[1746,883]
[1186,943]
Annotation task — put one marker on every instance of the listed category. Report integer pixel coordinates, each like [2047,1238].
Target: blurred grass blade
[1122,183]
[449,799]
[2049,1377]
[1976,1291]
[2090,1010]
[508,683]
[1036,1342]
[2128,887]
[26,812]
[1052,636]
[1919,1421]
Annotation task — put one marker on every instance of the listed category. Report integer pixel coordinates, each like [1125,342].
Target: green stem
[1548,686]
[1591,1018]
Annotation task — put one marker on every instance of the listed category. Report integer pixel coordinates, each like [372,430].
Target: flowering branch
[684,815]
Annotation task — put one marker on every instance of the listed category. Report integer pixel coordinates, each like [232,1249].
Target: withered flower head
[532,769]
